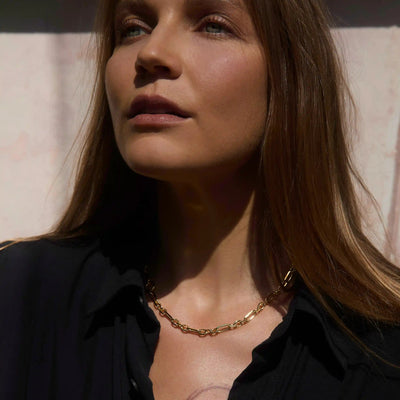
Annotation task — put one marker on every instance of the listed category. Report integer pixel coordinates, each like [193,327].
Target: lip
[155,110]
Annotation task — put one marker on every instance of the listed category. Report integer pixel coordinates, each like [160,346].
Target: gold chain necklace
[285,285]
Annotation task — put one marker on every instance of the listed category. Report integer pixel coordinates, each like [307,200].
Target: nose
[160,55]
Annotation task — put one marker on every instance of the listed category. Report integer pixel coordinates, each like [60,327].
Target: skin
[217,77]
[206,57]
[212,389]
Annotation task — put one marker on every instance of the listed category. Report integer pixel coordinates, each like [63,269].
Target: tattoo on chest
[208,391]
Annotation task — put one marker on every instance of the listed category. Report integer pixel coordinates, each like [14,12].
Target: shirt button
[134,385]
[134,392]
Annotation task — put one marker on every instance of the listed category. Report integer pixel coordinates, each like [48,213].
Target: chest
[187,367]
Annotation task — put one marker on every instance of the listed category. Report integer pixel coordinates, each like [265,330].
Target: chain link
[285,285]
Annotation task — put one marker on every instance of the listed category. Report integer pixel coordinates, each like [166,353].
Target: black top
[74,325]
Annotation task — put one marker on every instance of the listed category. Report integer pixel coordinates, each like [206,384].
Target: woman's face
[202,55]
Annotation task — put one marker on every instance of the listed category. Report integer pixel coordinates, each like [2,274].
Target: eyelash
[214,19]
[129,25]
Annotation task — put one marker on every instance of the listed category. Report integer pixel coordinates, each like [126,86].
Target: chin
[184,173]
[163,169]
[174,162]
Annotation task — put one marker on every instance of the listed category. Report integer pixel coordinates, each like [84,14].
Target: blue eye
[132,28]
[133,31]
[214,27]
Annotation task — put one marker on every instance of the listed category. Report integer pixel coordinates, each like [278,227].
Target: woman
[212,247]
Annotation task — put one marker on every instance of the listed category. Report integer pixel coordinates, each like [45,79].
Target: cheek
[234,92]
[118,77]
[237,71]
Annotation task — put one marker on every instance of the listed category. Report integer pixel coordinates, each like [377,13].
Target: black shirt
[74,325]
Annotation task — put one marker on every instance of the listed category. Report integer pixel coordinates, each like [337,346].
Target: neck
[204,240]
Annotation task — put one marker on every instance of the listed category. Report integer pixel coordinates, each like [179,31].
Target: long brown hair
[306,210]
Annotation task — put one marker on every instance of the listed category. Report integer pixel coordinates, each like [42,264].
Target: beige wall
[44,89]
[44,93]
[373,60]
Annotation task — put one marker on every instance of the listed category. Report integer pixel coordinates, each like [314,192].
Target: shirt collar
[112,283]
[122,274]
[338,342]
[121,271]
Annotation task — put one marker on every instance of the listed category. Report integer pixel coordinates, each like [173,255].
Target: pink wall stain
[18,149]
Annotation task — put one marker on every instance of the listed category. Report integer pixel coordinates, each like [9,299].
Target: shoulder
[367,347]
[44,289]
[32,251]
[384,343]
[374,373]
[373,351]
[46,275]
[33,260]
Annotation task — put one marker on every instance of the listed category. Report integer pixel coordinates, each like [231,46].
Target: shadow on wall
[78,15]
[55,16]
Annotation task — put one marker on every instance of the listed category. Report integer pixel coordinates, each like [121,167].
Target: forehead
[237,4]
